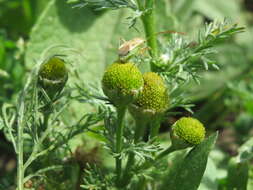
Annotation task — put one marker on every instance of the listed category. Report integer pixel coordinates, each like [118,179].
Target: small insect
[128,46]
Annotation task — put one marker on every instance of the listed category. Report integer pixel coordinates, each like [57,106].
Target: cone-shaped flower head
[153,99]
[53,75]
[122,83]
[187,131]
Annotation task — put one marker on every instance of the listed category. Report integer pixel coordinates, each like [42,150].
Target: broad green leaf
[209,180]
[246,151]
[184,8]
[238,170]
[238,173]
[217,9]
[164,19]
[250,180]
[214,81]
[188,174]
[90,38]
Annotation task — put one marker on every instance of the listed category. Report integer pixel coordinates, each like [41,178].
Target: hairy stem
[119,134]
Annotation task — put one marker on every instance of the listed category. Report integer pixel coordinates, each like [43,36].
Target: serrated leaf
[188,174]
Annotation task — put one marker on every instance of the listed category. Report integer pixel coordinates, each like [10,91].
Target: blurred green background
[223,100]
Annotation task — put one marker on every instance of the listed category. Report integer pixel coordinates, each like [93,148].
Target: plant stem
[154,128]
[148,20]
[141,184]
[46,119]
[20,169]
[20,175]
[165,153]
[34,155]
[158,157]
[119,134]
[140,126]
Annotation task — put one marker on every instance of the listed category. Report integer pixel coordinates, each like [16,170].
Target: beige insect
[128,46]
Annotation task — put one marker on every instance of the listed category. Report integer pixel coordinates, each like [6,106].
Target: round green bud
[153,99]
[122,83]
[186,132]
[53,75]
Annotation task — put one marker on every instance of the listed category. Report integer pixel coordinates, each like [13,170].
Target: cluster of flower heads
[124,84]
[146,96]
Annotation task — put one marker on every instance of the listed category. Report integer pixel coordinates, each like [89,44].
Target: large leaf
[94,36]
[88,38]
[209,180]
[246,151]
[238,173]
[217,9]
[238,170]
[190,171]
[184,8]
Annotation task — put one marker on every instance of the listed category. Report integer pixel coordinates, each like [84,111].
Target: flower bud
[187,132]
[53,75]
[153,99]
[122,83]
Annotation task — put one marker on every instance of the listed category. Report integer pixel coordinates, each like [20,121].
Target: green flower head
[154,98]
[53,69]
[122,83]
[188,130]
[53,75]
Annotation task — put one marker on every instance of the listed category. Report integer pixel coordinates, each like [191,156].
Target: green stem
[46,119]
[165,152]
[141,184]
[148,20]
[34,155]
[20,159]
[154,128]
[158,157]
[140,126]
[20,169]
[119,134]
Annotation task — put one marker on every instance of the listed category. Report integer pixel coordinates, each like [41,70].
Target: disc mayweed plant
[128,108]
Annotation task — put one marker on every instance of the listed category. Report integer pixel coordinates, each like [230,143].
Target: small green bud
[153,99]
[53,75]
[122,83]
[187,132]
